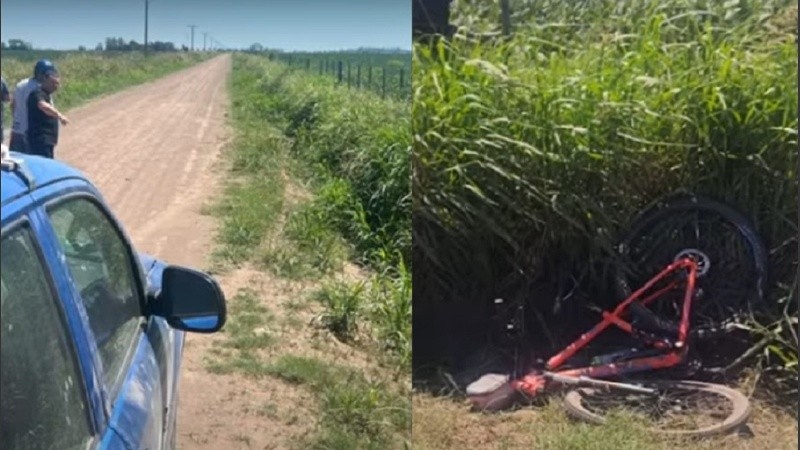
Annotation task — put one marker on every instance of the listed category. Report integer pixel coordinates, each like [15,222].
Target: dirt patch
[234,411]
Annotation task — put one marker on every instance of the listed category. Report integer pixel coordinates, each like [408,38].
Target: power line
[146,5]
[205,34]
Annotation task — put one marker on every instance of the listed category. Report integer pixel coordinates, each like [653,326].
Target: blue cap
[44,67]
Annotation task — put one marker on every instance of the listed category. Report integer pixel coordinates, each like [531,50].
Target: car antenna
[7,162]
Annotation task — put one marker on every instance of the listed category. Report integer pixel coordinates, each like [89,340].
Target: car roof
[43,171]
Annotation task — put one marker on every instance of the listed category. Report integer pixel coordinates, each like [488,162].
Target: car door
[108,282]
[168,345]
[46,388]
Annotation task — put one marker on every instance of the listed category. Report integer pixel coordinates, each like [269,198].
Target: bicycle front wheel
[677,408]
[731,257]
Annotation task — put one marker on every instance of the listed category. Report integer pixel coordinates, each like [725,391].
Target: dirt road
[152,150]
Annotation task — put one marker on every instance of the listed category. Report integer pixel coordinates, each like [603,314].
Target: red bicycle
[680,407]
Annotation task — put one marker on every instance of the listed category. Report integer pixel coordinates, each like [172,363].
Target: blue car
[92,330]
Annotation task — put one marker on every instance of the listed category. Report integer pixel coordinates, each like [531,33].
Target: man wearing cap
[43,117]
[19,104]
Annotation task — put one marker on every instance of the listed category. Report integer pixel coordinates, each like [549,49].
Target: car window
[42,405]
[100,263]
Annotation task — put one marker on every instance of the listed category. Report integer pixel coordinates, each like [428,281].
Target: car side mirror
[190,300]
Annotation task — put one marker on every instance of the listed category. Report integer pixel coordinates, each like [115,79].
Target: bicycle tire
[651,217]
[740,406]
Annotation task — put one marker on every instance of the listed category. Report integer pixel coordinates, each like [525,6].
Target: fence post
[340,72]
[348,74]
[505,12]
[369,77]
[358,76]
[383,86]
[320,67]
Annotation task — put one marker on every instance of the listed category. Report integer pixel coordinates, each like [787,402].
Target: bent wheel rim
[681,408]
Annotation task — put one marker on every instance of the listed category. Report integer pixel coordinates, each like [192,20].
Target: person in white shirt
[19,104]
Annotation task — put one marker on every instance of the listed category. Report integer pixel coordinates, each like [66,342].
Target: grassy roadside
[89,75]
[355,161]
[315,322]
[351,148]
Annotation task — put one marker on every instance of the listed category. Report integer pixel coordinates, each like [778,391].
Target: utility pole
[192,27]
[205,34]
[146,4]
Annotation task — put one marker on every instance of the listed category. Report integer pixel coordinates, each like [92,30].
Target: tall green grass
[533,152]
[358,146]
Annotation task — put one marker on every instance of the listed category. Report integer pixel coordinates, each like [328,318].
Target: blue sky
[312,25]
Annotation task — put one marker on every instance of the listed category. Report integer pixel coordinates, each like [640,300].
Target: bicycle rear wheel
[732,258]
[678,408]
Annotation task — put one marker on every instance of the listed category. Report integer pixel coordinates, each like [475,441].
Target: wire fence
[390,79]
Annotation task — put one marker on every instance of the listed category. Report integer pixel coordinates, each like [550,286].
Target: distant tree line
[258,48]
[111,45]
[17,44]
[119,45]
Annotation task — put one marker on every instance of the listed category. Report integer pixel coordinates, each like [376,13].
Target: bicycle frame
[674,352]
